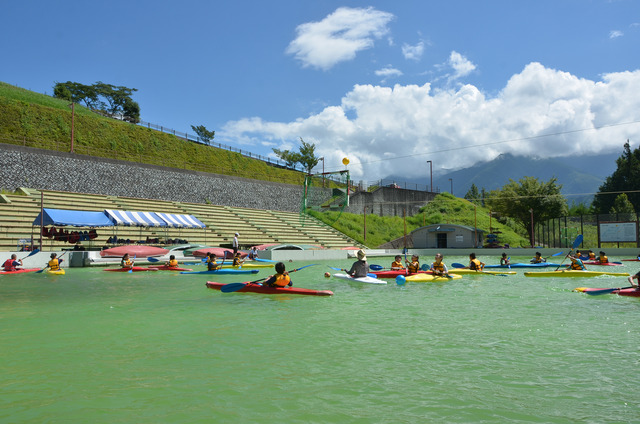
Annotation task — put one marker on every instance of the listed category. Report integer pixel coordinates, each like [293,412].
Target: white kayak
[368,280]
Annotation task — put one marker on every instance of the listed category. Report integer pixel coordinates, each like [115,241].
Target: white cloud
[461,65]
[394,130]
[338,37]
[388,72]
[413,52]
[615,34]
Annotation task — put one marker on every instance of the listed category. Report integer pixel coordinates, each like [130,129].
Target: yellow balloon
[345,161]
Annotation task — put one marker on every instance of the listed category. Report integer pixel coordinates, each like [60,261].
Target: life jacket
[8,265]
[54,265]
[438,267]
[413,267]
[476,265]
[397,265]
[603,259]
[126,263]
[576,265]
[281,280]
[537,260]
[173,263]
[592,255]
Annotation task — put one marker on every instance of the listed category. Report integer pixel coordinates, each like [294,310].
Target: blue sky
[388,84]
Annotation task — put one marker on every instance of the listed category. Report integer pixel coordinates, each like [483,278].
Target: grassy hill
[37,120]
[444,209]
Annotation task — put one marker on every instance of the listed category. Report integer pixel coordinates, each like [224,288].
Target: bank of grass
[36,120]
[444,209]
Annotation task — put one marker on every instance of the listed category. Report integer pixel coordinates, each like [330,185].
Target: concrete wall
[388,201]
[51,170]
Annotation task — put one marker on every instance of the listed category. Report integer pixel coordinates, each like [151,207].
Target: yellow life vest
[476,264]
[173,263]
[413,267]
[603,259]
[54,265]
[438,267]
[282,280]
[397,265]
[575,265]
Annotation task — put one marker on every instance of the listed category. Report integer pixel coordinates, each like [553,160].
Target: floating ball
[327,275]
[400,280]
[345,161]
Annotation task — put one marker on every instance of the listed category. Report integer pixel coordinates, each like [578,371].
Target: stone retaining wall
[51,170]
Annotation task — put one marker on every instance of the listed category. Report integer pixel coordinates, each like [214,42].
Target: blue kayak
[520,265]
[223,271]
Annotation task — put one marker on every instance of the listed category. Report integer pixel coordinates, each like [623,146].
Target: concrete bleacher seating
[256,227]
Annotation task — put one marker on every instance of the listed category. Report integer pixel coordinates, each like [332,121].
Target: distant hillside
[579,176]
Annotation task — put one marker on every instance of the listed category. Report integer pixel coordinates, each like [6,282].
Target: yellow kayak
[425,278]
[474,272]
[574,273]
[57,272]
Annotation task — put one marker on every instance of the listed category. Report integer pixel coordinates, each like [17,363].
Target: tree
[622,205]
[306,157]
[626,178]
[473,195]
[204,133]
[519,200]
[111,99]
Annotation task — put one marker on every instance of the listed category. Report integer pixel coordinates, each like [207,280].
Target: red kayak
[168,268]
[394,273]
[20,271]
[632,260]
[134,269]
[602,264]
[259,288]
[622,292]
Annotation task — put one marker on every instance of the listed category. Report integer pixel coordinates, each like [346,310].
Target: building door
[442,240]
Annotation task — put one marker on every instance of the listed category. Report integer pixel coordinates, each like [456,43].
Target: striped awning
[178,220]
[140,219]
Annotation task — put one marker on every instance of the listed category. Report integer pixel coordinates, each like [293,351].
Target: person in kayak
[538,259]
[592,256]
[173,262]
[237,260]
[602,258]
[212,265]
[126,262]
[576,263]
[504,260]
[54,262]
[636,277]
[12,264]
[280,278]
[438,267]
[474,263]
[396,265]
[413,266]
[253,253]
[360,268]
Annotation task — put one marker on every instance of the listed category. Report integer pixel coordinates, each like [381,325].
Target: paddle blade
[457,265]
[376,267]
[153,259]
[232,287]
[557,254]
[425,267]
[597,292]
[303,267]
[337,269]
[578,241]
[40,271]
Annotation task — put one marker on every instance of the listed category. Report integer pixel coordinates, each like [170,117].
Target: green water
[95,347]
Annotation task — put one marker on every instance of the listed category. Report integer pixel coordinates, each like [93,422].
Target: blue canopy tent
[64,217]
[139,219]
[179,220]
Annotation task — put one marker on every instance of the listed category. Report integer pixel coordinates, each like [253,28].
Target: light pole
[73,115]
[430,174]
[451,181]
[322,159]
[533,241]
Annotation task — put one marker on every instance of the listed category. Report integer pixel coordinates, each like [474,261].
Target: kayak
[573,273]
[521,265]
[622,292]
[632,260]
[223,271]
[57,272]
[259,288]
[368,280]
[134,269]
[169,268]
[394,273]
[474,272]
[425,278]
[250,265]
[20,271]
[604,264]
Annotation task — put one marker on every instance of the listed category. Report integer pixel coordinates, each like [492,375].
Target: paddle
[577,242]
[132,262]
[33,252]
[232,287]
[376,267]
[557,254]
[457,265]
[342,269]
[59,262]
[605,291]
[153,259]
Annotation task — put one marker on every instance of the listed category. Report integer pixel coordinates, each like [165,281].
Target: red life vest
[8,265]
